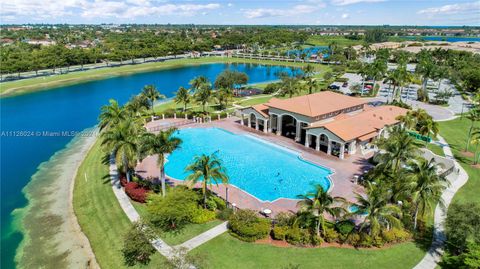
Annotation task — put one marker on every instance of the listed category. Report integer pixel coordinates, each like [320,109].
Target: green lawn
[44,83]
[326,40]
[455,133]
[228,252]
[187,233]
[99,213]
[434,148]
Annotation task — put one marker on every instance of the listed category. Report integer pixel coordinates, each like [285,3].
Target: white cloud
[54,9]
[452,9]
[230,5]
[345,16]
[350,2]
[272,12]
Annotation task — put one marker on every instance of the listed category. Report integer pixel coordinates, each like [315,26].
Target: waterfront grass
[99,213]
[341,41]
[250,255]
[44,83]
[455,133]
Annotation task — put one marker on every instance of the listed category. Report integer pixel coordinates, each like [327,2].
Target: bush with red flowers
[123,179]
[136,192]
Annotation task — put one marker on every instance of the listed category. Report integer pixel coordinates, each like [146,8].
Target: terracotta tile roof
[316,104]
[363,125]
[262,109]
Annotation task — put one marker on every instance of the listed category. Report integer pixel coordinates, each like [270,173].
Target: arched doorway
[324,143]
[289,126]
[253,121]
[312,139]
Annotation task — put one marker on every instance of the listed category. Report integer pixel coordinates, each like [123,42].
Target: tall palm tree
[427,188]
[209,170]
[318,202]
[427,126]
[427,69]
[476,141]
[161,144]
[152,94]
[474,116]
[111,115]
[289,86]
[311,85]
[122,141]
[397,149]
[183,96]
[198,82]
[377,211]
[203,95]
[137,105]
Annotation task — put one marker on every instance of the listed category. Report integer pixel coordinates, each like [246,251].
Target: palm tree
[203,95]
[377,211]
[427,69]
[162,144]
[311,85]
[318,202]
[474,116]
[182,96]
[476,141]
[137,105]
[111,115]
[392,78]
[427,126]
[397,149]
[428,187]
[122,141]
[152,94]
[289,86]
[198,82]
[208,169]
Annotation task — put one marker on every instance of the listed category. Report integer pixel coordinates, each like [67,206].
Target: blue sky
[316,12]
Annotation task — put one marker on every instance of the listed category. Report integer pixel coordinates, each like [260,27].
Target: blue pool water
[74,108]
[262,169]
[311,50]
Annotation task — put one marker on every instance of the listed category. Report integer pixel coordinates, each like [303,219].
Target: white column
[307,140]
[317,146]
[329,148]
[249,122]
[265,126]
[279,125]
[352,147]
[297,132]
[256,123]
[342,151]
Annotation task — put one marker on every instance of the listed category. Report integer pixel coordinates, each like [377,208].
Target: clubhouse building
[326,121]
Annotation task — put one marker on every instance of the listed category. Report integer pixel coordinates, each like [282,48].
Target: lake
[444,38]
[26,121]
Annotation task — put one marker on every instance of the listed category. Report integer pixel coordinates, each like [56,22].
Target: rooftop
[316,104]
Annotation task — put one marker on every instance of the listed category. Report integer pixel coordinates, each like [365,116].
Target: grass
[326,40]
[187,233]
[455,133]
[99,213]
[249,255]
[44,83]
[436,149]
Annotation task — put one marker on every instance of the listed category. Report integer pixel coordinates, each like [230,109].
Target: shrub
[136,192]
[247,226]
[365,241]
[284,219]
[299,237]
[316,240]
[271,88]
[225,214]
[174,210]
[330,235]
[203,215]
[214,203]
[136,246]
[395,235]
[344,227]
[280,232]
[352,239]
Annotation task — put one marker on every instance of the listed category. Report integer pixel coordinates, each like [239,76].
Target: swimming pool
[260,168]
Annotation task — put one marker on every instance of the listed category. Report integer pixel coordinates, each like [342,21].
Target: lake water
[27,120]
[444,38]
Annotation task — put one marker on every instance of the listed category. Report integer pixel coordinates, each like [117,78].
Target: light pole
[226,194]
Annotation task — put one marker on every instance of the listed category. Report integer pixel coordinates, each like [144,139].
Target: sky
[310,12]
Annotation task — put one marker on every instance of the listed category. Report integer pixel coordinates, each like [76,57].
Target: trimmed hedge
[247,226]
[203,215]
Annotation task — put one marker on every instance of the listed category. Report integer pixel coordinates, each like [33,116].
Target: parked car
[345,84]
[334,87]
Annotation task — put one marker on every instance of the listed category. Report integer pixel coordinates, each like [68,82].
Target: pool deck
[344,170]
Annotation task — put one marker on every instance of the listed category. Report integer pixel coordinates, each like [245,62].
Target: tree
[474,116]
[182,96]
[152,94]
[136,245]
[289,85]
[203,95]
[399,148]
[427,69]
[162,143]
[476,141]
[461,226]
[208,169]
[229,79]
[111,115]
[377,211]
[137,105]
[122,141]
[199,82]
[318,202]
[427,189]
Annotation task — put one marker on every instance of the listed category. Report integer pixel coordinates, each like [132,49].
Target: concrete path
[204,237]
[130,211]
[457,179]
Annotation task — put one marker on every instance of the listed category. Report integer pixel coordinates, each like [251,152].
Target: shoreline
[31,85]
[52,236]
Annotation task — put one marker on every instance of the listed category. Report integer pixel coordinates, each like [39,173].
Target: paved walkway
[457,179]
[204,237]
